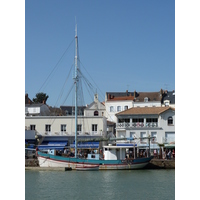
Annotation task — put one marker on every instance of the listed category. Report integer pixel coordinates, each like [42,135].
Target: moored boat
[114,157]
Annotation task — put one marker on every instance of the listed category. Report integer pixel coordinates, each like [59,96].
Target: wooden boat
[114,158]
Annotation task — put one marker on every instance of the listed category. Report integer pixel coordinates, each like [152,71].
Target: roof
[117,96]
[145,110]
[134,96]
[152,96]
[35,105]
[169,95]
[69,110]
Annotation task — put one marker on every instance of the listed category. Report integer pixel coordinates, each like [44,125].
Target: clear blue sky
[122,45]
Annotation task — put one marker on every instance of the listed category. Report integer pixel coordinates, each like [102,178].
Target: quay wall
[31,162]
[161,164]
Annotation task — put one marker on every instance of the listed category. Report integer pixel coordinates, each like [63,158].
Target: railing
[136,124]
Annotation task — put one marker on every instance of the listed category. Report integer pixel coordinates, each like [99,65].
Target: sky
[123,45]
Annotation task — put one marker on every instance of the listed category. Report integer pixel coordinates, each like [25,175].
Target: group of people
[169,154]
[165,154]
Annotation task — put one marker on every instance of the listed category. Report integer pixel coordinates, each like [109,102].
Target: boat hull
[47,160]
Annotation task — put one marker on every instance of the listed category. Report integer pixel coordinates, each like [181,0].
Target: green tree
[40,98]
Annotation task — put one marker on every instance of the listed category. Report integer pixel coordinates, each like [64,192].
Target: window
[118,108]
[96,113]
[170,120]
[142,135]
[32,127]
[146,99]
[166,102]
[138,120]
[79,127]
[111,109]
[132,135]
[121,134]
[124,120]
[94,127]
[154,134]
[47,127]
[63,127]
[125,107]
[151,120]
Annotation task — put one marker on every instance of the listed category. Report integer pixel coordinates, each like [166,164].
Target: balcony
[137,125]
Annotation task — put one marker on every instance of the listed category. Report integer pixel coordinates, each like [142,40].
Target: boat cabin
[115,152]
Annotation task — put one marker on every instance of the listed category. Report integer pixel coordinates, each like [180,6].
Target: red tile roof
[145,110]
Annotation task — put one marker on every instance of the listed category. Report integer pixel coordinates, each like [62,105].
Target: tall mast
[76,87]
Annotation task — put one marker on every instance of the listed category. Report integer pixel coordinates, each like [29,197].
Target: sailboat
[113,156]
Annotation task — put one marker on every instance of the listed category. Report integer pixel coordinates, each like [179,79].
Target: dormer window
[146,99]
[166,102]
[118,108]
[111,109]
[125,107]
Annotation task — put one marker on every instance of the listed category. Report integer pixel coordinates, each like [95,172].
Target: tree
[40,98]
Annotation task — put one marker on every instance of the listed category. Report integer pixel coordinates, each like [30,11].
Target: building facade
[141,122]
[90,123]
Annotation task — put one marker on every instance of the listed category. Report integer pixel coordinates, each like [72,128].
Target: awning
[53,145]
[86,145]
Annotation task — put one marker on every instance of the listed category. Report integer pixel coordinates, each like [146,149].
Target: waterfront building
[116,102]
[92,123]
[139,122]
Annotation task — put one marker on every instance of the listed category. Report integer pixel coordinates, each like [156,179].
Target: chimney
[44,102]
[134,94]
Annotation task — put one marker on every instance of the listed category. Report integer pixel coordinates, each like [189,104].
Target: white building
[141,122]
[92,123]
[116,102]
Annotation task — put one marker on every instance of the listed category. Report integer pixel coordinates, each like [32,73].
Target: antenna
[75,27]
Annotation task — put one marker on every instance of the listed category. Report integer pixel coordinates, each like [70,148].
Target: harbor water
[130,184]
